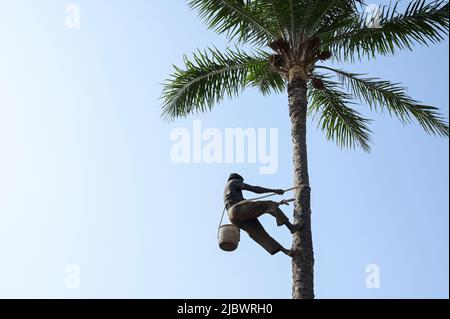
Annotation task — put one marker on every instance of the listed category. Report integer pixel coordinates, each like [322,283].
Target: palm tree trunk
[303,253]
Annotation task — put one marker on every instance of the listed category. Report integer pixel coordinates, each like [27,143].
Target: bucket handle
[221,221]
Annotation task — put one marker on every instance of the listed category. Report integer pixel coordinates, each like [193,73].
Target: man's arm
[261,190]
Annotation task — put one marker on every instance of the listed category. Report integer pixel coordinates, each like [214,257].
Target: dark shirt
[233,192]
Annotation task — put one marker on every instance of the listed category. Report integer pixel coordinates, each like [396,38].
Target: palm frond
[275,11]
[210,76]
[241,20]
[384,95]
[290,15]
[263,77]
[298,11]
[341,123]
[421,22]
[326,13]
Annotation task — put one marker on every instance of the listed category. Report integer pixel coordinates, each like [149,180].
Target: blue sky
[86,178]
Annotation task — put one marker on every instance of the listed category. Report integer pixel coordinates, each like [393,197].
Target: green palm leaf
[211,75]
[244,20]
[421,22]
[265,78]
[384,95]
[341,123]
[326,13]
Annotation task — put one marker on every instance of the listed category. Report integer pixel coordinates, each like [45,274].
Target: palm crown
[303,34]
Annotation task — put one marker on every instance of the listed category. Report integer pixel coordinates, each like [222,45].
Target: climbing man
[244,214]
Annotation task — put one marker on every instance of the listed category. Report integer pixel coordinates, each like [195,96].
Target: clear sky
[88,187]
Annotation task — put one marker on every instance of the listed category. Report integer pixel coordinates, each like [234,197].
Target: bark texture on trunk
[303,253]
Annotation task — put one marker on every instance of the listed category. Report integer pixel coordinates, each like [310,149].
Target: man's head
[235,176]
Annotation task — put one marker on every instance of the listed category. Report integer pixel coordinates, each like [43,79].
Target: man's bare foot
[293,228]
[287,252]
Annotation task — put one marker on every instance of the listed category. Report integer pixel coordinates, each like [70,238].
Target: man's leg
[281,217]
[257,232]
[252,210]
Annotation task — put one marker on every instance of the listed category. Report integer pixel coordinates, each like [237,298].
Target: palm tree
[302,35]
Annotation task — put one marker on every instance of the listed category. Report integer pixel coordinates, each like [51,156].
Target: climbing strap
[259,198]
